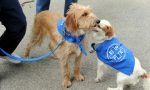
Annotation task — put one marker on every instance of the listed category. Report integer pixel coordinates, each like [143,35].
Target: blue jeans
[42,5]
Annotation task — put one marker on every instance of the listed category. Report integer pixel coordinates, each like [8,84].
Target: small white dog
[117,56]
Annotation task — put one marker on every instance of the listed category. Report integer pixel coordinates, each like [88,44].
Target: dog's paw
[26,55]
[79,77]
[97,80]
[66,83]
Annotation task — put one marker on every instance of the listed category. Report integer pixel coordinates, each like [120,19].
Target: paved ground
[131,21]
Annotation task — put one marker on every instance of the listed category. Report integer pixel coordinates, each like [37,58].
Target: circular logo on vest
[116,53]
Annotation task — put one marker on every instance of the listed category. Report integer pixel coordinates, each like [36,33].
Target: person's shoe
[11,60]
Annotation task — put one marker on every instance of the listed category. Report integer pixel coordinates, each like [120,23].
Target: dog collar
[71,38]
[116,55]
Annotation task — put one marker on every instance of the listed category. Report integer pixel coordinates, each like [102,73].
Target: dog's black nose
[97,21]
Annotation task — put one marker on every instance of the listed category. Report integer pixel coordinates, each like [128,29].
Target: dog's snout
[97,21]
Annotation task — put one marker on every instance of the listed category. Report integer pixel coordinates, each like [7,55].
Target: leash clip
[93,47]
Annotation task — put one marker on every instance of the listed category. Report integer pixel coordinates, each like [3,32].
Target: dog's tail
[146,81]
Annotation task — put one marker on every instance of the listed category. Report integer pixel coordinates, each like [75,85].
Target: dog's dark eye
[85,14]
[107,27]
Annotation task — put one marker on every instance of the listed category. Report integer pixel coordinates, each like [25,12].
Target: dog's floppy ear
[109,31]
[71,23]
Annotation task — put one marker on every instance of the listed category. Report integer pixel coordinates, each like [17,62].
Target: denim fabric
[42,5]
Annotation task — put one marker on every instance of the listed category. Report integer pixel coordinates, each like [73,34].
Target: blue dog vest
[116,55]
[71,38]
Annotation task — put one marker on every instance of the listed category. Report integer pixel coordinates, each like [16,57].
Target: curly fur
[79,18]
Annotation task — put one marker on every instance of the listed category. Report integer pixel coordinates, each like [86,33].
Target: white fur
[122,79]
[146,84]
[104,23]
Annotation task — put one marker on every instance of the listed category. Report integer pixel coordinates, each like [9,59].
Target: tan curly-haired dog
[79,18]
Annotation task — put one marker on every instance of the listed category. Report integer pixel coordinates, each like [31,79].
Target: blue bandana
[71,38]
[116,55]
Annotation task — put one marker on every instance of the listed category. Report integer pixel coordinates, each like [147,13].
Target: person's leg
[67,4]
[42,5]
[13,18]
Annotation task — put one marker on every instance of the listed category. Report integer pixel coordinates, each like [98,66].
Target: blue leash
[65,34]
[32,59]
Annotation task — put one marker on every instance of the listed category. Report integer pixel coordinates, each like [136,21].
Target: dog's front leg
[65,72]
[100,70]
[119,87]
[77,74]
